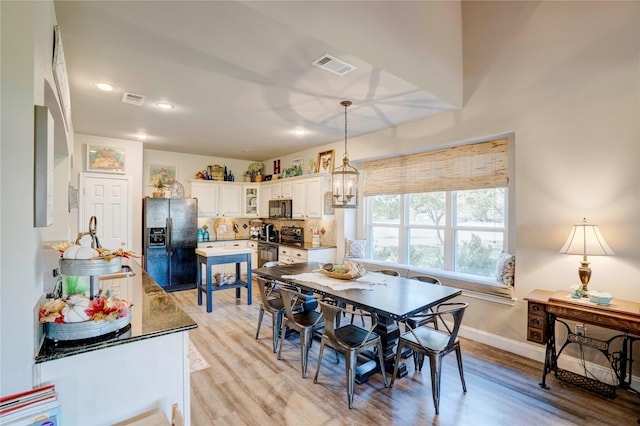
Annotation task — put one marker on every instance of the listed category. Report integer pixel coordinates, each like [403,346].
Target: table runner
[362,283]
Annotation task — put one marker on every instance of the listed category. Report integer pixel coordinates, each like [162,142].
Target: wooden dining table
[393,299]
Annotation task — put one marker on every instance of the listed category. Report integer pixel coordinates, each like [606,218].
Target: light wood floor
[247,385]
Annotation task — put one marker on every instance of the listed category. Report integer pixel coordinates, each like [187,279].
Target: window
[444,209]
[462,230]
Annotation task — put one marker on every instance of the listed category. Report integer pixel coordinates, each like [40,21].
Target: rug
[196,360]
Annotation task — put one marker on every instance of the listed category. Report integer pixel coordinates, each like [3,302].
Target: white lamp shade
[586,240]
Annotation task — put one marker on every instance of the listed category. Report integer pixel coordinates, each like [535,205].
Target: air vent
[333,64]
[132,98]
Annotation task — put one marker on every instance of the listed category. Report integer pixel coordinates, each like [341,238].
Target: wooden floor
[247,385]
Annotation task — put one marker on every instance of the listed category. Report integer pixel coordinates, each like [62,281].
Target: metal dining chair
[415,322]
[272,303]
[435,344]
[350,340]
[305,322]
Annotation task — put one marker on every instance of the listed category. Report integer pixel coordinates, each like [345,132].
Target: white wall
[26,34]
[133,168]
[188,165]
[564,78]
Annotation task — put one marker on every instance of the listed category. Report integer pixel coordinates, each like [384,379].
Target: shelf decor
[108,159]
[325,161]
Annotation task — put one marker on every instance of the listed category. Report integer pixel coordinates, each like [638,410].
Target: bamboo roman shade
[475,166]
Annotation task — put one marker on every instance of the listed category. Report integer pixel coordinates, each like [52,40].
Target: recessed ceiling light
[299,132]
[165,105]
[105,87]
[141,136]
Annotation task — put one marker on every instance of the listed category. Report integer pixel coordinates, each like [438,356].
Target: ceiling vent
[333,64]
[132,98]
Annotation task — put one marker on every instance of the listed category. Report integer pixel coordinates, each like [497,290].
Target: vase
[258,178]
[158,194]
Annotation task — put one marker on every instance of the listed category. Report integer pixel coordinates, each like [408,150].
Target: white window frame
[450,228]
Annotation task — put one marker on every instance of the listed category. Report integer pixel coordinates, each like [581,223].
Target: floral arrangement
[256,167]
[79,308]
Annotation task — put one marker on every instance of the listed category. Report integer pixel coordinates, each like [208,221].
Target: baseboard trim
[536,352]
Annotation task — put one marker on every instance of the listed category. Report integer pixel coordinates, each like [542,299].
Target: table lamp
[586,240]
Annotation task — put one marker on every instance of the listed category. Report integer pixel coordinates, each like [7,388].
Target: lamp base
[584,272]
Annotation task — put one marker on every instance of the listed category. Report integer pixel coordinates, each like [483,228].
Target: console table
[545,308]
[207,257]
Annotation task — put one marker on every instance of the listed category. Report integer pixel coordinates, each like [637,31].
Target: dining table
[393,299]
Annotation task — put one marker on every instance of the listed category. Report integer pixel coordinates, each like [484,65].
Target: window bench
[473,283]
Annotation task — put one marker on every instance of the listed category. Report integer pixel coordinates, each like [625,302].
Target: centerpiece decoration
[348,270]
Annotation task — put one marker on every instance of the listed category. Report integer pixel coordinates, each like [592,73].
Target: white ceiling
[240,73]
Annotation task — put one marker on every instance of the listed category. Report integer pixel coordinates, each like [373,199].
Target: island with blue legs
[208,257]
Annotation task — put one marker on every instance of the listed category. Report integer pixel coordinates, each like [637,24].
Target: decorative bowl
[600,297]
[357,271]
[85,329]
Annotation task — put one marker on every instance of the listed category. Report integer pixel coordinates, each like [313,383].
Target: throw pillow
[506,268]
[354,248]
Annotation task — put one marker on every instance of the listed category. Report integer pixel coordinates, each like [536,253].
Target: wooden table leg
[389,333]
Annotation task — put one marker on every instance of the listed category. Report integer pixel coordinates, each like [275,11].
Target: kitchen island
[208,257]
[142,368]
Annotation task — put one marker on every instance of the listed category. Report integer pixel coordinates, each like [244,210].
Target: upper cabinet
[230,200]
[309,194]
[263,199]
[250,200]
[218,199]
[311,199]
[207,194]
[281,189]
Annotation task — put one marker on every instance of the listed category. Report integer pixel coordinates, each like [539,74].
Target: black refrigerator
[170,228]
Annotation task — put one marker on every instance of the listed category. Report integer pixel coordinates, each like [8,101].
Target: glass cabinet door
[250,200]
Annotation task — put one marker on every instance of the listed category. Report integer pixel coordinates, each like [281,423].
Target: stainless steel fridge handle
[169,236]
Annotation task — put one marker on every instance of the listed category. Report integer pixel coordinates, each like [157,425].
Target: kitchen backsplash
[239,229]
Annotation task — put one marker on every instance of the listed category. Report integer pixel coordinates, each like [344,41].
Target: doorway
[108,198]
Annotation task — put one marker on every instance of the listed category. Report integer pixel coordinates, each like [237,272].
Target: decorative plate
[177,191]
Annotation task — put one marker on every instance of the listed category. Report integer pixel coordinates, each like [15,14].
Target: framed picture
[325,161]
[109,159]
[43,163]
[165,175]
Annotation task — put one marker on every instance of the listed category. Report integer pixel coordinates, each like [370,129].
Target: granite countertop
[154,313]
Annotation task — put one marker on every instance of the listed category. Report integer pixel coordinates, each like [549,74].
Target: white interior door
[108,199]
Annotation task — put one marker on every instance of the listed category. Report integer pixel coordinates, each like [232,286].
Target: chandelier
[344,179]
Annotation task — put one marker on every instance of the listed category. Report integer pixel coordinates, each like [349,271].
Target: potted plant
[256,170]
[159,186]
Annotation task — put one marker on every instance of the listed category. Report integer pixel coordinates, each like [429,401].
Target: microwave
[280,209]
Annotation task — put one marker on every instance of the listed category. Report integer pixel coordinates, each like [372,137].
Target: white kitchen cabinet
[207,194]
[289,255]
[308,194]
[314,200]
[263,199]
[299,197]
[281,189]
[251,195]
[230,200]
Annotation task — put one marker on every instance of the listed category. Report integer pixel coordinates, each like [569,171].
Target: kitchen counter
[154,313]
